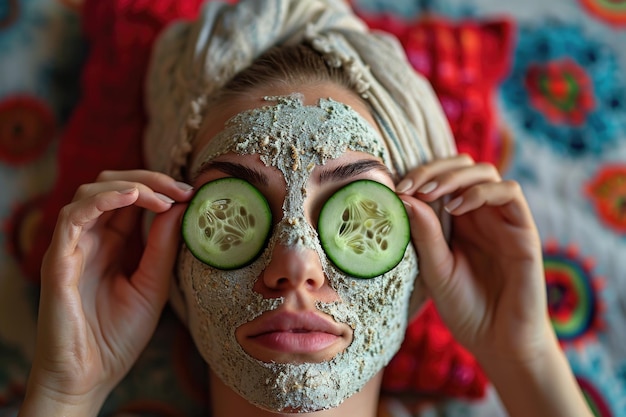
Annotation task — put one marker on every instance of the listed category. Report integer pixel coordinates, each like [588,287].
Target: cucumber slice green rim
[364,229]
[227,223]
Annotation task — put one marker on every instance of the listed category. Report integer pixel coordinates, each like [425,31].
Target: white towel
[193,59]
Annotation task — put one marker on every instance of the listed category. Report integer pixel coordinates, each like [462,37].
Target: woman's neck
[225,402]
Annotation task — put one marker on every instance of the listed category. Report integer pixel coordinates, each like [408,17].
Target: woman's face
[290,332]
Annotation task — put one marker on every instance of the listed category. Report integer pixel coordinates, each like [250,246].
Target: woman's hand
[94,319]
[488,284]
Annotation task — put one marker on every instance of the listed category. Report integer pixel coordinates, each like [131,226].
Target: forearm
[543,387]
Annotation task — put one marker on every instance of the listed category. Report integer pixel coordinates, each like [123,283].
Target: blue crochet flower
[566,89]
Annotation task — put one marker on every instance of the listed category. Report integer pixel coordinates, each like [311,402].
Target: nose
[293,267]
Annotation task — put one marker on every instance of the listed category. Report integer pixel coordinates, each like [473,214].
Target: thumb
[152,278]
[436,261]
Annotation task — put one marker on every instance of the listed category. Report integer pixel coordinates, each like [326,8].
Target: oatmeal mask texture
[295,139]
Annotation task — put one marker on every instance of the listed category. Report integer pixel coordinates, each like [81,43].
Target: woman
[292,332]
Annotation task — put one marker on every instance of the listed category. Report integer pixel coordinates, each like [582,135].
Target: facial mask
[295,139]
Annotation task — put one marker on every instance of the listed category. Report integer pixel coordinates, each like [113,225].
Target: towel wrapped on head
[193,60]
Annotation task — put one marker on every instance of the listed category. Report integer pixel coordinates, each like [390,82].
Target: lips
[298,333]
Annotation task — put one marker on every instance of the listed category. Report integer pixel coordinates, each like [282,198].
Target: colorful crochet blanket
[536,87]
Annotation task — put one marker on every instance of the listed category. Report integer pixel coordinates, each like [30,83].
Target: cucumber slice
[227,223]
[364,229]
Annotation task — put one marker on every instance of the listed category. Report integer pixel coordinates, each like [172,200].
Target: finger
[459,179]
[147,198]
[78,215]
[422,175]
[435,258]
[507,195]
[63,263]
[152,278]
[157,181]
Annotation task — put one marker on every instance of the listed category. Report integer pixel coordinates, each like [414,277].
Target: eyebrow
[340,173]
[352,169]
[236,170]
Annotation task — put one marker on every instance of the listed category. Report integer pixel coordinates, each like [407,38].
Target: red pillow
[465,61]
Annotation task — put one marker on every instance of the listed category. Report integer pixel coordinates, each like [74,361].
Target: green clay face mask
[295,138]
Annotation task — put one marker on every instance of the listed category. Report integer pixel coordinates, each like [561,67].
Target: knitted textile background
[536,87]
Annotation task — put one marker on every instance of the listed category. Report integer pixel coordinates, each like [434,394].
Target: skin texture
[487,283]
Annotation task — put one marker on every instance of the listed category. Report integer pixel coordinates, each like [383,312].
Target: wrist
[539,385]
[519,347]
[43,401]
[530,360]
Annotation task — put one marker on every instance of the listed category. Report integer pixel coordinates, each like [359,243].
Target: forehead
[292,136]
[220,112]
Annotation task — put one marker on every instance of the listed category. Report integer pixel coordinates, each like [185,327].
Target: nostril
[282,281]
[312,283]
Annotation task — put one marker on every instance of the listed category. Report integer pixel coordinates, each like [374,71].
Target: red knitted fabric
[430,362]
[465,61]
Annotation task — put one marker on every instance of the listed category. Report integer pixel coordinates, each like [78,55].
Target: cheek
[381,303]
[220,297]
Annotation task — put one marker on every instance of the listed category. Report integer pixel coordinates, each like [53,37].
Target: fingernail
[409,208]
[127,191]
[428,187]
[184,186]
[453,204]
[403,186]
[164,198]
